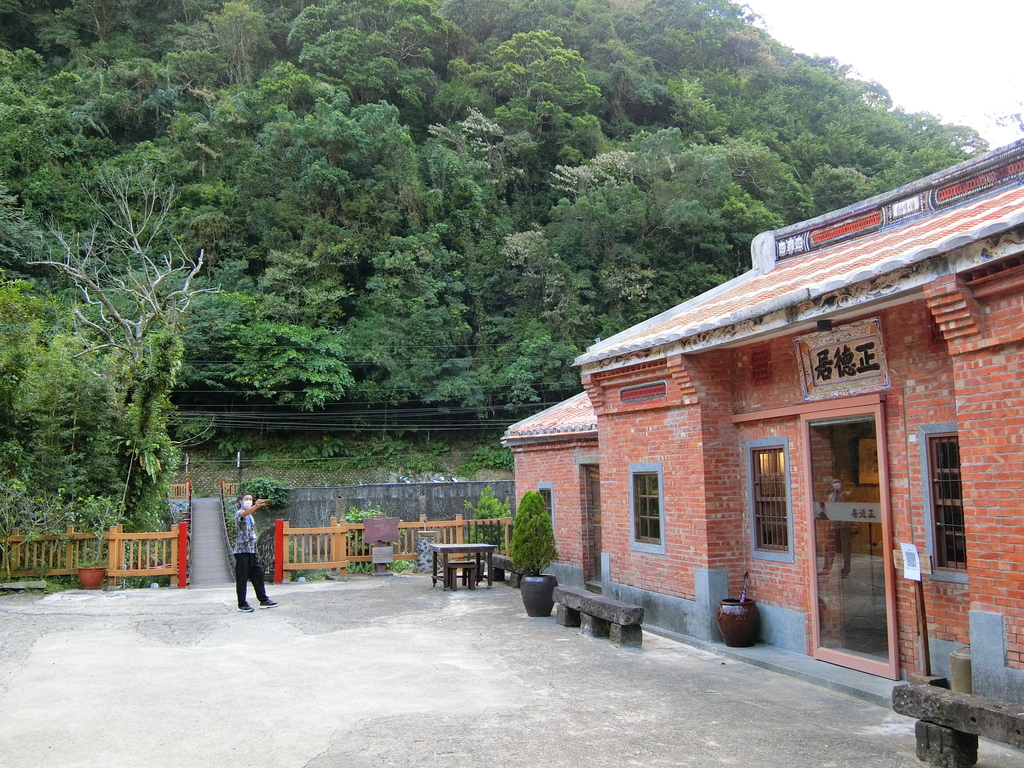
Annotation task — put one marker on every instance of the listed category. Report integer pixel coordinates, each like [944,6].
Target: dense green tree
[375,50]
[421,203]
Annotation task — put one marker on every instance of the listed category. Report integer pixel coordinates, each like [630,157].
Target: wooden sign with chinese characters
[847,360]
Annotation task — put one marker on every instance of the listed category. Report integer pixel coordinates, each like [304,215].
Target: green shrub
[268,488]
[533,541]
[487,457]
[488,507]
[356,515]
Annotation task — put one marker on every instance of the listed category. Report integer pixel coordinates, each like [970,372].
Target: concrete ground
[391,672]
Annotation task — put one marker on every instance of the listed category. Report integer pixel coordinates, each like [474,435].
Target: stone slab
[962,712]
[566,617]
[502,564]
[604,608]
[627,635]
[24,585]
[945,748]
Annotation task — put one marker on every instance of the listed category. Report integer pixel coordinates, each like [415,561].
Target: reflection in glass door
[850,545]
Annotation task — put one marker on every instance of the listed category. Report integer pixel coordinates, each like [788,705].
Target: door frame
[590,480]
[859,406]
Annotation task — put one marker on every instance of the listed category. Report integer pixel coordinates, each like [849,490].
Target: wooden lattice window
[646,508]
[643,392]
[947,501]
[771,505]
[761,365]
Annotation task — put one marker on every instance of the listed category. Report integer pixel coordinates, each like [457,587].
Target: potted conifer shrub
[532,549]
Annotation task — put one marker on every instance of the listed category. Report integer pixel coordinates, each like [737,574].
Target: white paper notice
[911,562]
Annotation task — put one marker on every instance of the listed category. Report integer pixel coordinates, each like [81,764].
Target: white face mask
[246,503]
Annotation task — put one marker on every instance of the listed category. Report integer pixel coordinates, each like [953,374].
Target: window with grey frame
[770,499]
[546,494]
[947,501]
[646,508]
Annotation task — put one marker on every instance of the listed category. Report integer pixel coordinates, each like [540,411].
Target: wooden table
[484,551]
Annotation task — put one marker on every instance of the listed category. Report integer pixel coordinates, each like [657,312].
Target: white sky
[959,61]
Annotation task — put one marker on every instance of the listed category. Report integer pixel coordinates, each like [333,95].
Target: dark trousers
[248,569]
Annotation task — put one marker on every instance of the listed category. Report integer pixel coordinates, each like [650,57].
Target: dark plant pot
[537,594]
[739,622]
[92,577]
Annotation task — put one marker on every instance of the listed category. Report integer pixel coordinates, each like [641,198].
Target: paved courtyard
[390,672]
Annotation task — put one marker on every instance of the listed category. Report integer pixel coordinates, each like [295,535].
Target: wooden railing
[180,500]
[228,490]
[334,546]
[180,490]
[128,554]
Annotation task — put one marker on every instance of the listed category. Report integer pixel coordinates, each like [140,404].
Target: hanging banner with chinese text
[847,360]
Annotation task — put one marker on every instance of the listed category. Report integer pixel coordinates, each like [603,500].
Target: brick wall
[972,383]
[991,419]
[558,463]
[983,328]
[660,431]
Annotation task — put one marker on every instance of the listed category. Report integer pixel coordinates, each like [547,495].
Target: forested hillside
[361,214]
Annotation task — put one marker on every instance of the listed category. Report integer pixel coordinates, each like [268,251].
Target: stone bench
[949,723]
[599,616]
[502,564]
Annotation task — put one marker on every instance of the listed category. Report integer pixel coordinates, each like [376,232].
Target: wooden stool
[451,574]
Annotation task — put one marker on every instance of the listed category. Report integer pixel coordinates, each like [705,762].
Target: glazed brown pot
[739,622]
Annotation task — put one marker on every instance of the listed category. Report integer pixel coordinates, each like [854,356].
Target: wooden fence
[128,554]
[334,546]
[180,490]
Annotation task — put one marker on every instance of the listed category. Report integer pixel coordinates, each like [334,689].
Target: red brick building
[857,390]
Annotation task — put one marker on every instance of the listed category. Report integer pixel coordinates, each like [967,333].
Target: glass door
[854,605]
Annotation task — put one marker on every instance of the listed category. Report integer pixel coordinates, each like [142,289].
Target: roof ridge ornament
[971,179]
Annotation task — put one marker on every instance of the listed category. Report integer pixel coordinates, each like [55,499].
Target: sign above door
[847,360]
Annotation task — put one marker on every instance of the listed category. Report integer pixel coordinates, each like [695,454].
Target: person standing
[247,566]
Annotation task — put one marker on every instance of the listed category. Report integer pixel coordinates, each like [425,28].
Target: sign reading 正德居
[851,512]
[849,359]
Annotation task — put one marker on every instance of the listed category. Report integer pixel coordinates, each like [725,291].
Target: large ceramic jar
[739,622]
[538,594]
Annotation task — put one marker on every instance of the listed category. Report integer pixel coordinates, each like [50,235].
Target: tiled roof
[804,277]
[574,416]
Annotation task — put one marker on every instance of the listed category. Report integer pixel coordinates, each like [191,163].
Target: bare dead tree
[128,289]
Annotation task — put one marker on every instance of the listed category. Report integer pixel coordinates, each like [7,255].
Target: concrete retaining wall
[315,506]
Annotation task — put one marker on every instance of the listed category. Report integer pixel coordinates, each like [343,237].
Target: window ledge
[778,557]
[653,549]
[953,577]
